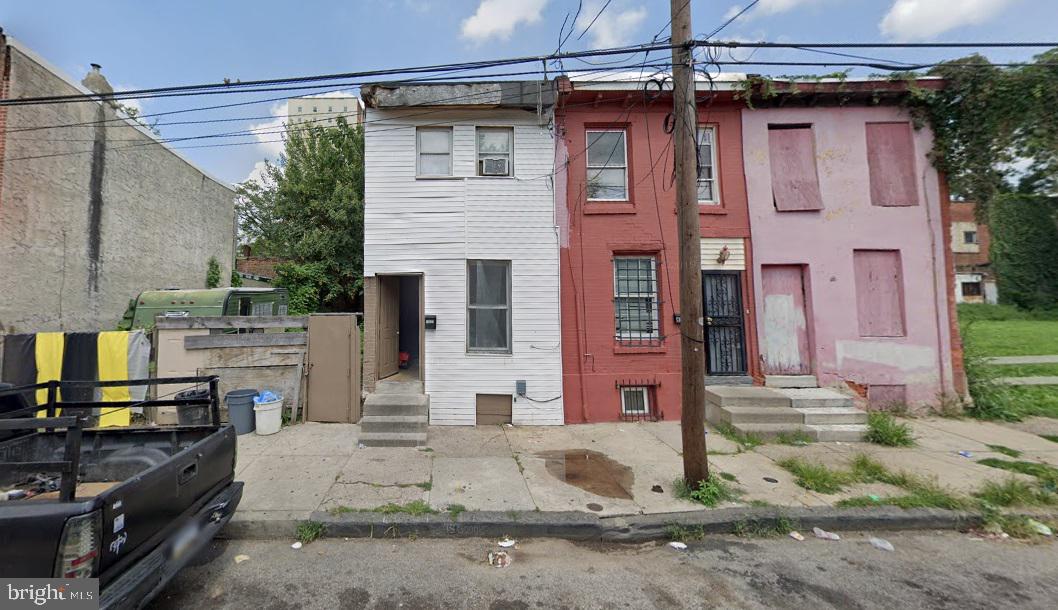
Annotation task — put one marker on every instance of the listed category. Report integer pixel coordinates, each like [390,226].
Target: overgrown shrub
[1025,250]
[212,272]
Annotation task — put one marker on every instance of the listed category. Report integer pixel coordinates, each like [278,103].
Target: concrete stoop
[822,414]
[396,414]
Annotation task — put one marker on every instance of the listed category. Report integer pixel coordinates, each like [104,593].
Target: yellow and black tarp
[113,366]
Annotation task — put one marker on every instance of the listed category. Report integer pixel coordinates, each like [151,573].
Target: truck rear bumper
[146,579]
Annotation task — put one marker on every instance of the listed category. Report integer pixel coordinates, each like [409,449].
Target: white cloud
[924,19]
[613,27]
[766,8]
[258,175]
[131,102]
[498,18]
[269,133]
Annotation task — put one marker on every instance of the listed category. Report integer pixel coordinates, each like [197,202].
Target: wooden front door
[785,350]
[388,325]
[725,336]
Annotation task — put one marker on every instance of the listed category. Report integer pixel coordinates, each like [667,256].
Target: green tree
[212,273]
[310,210]
[1024,250]
[236,279]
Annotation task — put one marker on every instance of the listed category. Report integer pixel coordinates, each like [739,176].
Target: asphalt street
[926,570]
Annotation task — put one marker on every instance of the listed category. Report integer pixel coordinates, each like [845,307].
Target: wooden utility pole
[692,336]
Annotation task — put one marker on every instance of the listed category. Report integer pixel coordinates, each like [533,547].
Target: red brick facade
[595,363]
[962,211]
[5,88]
[263,266]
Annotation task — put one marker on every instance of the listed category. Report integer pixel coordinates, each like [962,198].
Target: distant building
[975,281]
[324,111]
[94,209]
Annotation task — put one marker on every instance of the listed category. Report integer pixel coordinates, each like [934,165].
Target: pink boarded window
[879,293]
[891,161]
[794,181]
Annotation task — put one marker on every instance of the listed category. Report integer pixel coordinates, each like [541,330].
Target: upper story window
[434,151]
[314,109]
[794,180]
[607,165]
[969,237]
[636,298]
[299,108]
[708,188]
[495,145]
[891,164]
[489,306]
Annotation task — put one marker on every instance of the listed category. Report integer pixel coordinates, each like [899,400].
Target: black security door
[725,336]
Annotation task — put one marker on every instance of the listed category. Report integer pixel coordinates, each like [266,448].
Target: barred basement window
[635,400]
[635,299]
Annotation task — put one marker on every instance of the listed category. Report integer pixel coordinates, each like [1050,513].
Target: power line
[594,19]
[731,20]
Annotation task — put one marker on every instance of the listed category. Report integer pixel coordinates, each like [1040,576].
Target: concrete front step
[745,396]
[768,430]
[398,387]
[396,404]
[832,415]
[393,439]
[728,380]
[847,433]
[759,415]
[393,423]
[791,381]
[801,398]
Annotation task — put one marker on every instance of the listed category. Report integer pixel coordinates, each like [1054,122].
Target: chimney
[97,83]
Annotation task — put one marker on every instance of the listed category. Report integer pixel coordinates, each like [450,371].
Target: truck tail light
[79,547]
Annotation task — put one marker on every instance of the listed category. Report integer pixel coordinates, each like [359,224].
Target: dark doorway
[725,334]
[408,333]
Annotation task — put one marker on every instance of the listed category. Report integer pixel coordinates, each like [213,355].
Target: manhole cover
[595,507]
[771,480]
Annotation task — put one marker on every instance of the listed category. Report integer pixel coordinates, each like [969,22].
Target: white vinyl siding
[708,185]
[434,227]
[607,161]
[434,146]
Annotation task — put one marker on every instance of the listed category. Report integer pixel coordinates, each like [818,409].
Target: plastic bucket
[197,415]
[269,416]
[240,409]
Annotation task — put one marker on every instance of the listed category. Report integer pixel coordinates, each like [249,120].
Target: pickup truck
[129,506]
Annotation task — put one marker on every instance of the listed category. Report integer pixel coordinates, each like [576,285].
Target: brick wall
[264,266]
[966,212]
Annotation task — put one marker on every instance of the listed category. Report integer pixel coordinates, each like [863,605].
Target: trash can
[193,415]
[240,409]
[268,413]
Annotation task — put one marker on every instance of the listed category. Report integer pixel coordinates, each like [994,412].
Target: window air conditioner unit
[494,167]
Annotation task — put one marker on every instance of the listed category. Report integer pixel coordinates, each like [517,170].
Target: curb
[586,526]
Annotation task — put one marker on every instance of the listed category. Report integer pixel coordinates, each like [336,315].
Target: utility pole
[692,336]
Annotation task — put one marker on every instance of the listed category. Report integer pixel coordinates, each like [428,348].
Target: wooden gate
[724,323]
[786,350]
[334,368]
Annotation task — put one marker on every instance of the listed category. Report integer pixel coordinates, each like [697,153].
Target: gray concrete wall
[82,233]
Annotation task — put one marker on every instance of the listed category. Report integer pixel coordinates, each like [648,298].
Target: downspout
[936,288]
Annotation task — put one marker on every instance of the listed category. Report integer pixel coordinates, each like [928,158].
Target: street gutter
[586,526]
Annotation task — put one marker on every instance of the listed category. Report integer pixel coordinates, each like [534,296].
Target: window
[489,306]
[969,237]
[794,181]
[330,109]
[971,289]
[891,164]
[299,108]
[635,400]
[708,191]
[314,109]
[879,293]
[435,151]
[494,151]
[635,298]
[607,166]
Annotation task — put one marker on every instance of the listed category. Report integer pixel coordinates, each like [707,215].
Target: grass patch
[425,485]
[1007,451]
[1015,492]
[1046,474]
[991,400]
[308,531]
[415,507]
[921,493]
[708,493]
[797,437]
[764,528]
[340,510]
[972,312]
[1016,526]
[814,476]
[1026,370]
[1013,337]
[883,429]
[675,531]
[1051,437]
[866,469]
[1034,400]
[454,510]
[744,440]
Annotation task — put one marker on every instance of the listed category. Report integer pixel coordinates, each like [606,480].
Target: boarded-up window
[891,161]
[493,409]
[794,181]
[879,293]
[886,397]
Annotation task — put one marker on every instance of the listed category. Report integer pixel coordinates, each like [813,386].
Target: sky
[150,44]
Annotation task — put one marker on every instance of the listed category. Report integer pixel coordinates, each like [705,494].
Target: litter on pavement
[1040,527]
[499,559]
[296,545]
[679,546]
[507,542]
[881,543]
[241,558]
[966,454]
[825,535]
[797,536]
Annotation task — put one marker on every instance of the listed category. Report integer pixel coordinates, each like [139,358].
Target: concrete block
[393,439]
[745,396]
[815,397]
[485,483]
[790,381]
[760,415]
[393,423]
[848,433]
[835,415]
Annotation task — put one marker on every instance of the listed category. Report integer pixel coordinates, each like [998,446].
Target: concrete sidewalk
[604,469]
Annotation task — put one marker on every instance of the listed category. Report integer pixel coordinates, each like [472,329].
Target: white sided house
[460,259]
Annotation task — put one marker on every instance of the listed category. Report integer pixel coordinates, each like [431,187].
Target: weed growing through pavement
[780,525]
[675,531]
[1007,451]
[455,509]
[307,531]
[1015,492]
[743,439]
[708,493]
[814,476]
[883,429]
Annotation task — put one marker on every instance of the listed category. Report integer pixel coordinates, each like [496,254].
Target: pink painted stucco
[823,241]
